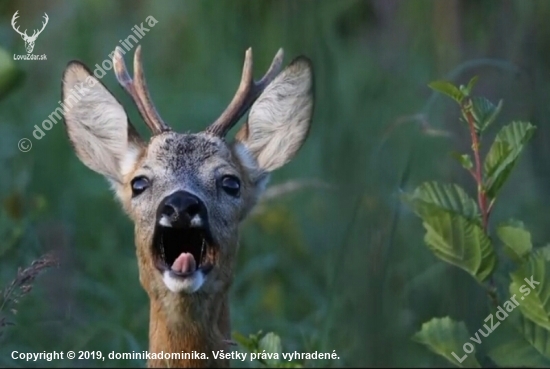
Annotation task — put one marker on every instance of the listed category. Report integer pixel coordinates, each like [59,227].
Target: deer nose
[180,209]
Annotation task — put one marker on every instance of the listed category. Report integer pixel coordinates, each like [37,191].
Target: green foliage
[484,112]
[467,90]
[464,159]
[460,242]
[432,196]
[268,343]
[458,232]
[453,228]
[445,336]
[516,240]
[449,89]
[535,304]
[459,93]
[504,154]
[520,343]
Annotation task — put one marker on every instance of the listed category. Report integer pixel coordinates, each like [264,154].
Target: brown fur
[106,142]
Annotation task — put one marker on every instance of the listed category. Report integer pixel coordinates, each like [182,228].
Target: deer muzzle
[183,248]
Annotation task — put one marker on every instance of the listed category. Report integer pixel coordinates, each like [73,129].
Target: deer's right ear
[97,125]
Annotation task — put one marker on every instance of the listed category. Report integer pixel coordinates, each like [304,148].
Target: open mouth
[183,251]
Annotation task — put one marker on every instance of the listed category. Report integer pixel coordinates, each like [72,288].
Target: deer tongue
[185,263]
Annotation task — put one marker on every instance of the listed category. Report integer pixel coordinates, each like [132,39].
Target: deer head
[29,40]
[188,192]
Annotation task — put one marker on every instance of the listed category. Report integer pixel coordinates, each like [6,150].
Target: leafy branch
[458,232]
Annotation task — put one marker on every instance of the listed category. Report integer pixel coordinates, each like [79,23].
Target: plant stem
[481,195]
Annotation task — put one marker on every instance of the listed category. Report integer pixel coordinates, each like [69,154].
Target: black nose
[179,208]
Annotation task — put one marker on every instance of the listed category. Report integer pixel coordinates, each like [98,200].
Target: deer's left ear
[280,119]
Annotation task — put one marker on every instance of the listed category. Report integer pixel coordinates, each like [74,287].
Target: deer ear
[97,125]
[280,119]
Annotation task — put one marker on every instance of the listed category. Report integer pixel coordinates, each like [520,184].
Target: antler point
[247,92]
[117,56]
[247,60]
[137,60]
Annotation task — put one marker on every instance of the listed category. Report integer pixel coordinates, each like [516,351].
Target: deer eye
[231,185]
[139,184]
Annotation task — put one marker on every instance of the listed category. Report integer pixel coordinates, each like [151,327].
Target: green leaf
[453,227]
[471,85]
[444,337]
[250,343]
[519,343]
[268,343]
[448,89]
[530,284]
[460,242]
[516,239]
[449,197]
[504,153]
[484,112]
[271,343]
[536,335]
[464,159]
[542,252]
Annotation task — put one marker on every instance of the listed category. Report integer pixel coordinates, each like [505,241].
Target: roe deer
[187,193]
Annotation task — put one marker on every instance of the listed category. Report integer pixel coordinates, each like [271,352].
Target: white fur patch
[188,285]
[165,222]
[245,157]
[196,221]
[259,176]
[129,160]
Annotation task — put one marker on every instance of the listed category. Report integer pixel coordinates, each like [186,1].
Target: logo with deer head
[29,40]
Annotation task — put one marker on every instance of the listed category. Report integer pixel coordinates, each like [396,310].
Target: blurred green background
[339,268]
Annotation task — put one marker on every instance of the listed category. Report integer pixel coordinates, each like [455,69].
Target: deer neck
[182,326]
[197,324]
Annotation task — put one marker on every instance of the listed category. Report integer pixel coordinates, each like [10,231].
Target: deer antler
[16,28]
[248,91]
[138,90]
[36,33]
